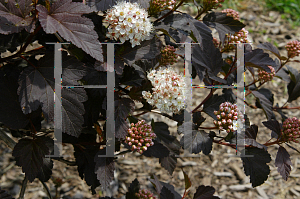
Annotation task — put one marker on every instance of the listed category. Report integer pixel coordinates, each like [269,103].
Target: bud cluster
[232,13]
[293,48]
[168,57]
[212,4]
[168,92]
[264,76]
[127,21]
[140,136]
[291,130]
[239,37]
[157,6]
[229,117]
[145,194]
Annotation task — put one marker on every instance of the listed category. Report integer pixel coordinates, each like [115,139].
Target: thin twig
[10,142]
[24,185]
[123,152]
[171,11]
[23,47]
[70,163]
[47,190]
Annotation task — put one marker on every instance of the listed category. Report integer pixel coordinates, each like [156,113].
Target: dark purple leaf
[172,189]
[283,74]
[196,142]
[30,154]
[133,189]
[163,135]
[258,59]
[208,58]
[101,5]
[65,18]
[274,126]
[157,150]
[4,194]
[222,23]
[213,104]
[166,194]
[270,47]
[256,166]
[85,160]
[15,16]
[266,104]
[169,163]
[104,168]
[283,162]
[36,88]
[156,183]
[251,132]
[123,107]
[294,85]
[133,76]
[186,23]
[149,50]
[10,110]
[205,192]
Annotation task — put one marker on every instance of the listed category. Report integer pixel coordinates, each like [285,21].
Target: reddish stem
[23,48]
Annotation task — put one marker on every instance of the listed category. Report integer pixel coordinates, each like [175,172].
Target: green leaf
[187,181]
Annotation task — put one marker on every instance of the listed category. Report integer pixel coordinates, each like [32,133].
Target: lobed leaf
[123,107]
[205,192]
[188,24]
[294,85]
[157,150]
[133,189]
[222,23]
[14,16]
[30,154]
[197,141]
[36,88]
[166,194]
[65,18]
[257,58]
[104,168]
[270,47]
[85,160]
[169,163]
[213,104]
[208,61]
[274,126]
[283,162]
[265,103]
[256,166]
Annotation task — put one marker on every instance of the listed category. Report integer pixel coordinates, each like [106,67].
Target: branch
[24,185]
[70,163]
[47,190]
[23,47]
[170,12]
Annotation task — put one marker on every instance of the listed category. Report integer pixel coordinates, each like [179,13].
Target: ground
[219,169]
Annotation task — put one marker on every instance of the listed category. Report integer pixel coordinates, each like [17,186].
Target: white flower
[167,95]
[238,125]
[128,22]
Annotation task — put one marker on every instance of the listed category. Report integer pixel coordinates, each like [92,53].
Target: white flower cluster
[128,22]
[168,92]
